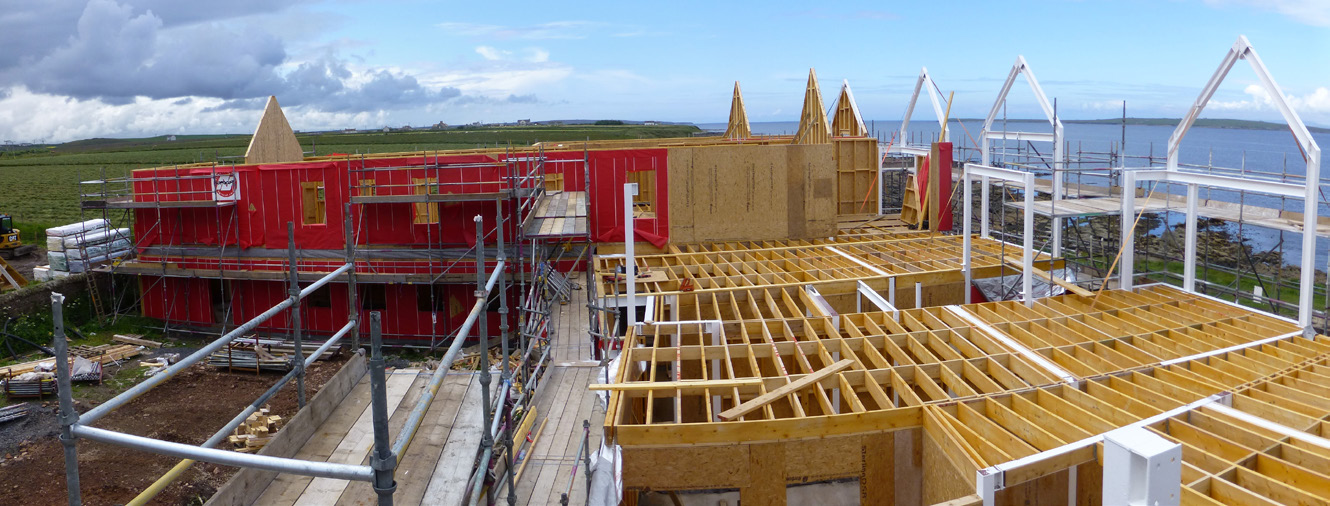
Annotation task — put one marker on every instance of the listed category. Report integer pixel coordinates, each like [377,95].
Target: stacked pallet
[256,432]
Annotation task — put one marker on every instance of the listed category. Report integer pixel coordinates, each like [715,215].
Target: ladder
[92,283]
[10,277]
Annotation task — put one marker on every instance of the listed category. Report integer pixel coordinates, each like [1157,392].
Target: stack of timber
[257,431]
[248,354]
[471,361]
[14,412]
[104,354]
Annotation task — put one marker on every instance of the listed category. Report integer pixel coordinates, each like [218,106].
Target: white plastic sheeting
[77,228]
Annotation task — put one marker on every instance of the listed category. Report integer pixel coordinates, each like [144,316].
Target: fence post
[383,462]
[68,416]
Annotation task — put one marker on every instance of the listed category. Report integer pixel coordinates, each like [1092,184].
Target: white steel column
[1309,214]
[1189,253]
[1147,469]
[1027,259]
[965,228]
[1127,260]
[983,207]
[630,262]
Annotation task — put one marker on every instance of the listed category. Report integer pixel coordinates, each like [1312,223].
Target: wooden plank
[248,484]
[357,443]
[674,385]
[285,489]
[425,451]
[794,386]
[453,470]
[120,338]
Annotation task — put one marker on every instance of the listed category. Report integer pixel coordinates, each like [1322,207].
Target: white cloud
[530,54]
[26,116]
[490,53]
[542,31]
[1311,12]
[1313,106]
[537,55]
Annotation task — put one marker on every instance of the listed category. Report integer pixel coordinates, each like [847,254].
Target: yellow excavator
[11,246]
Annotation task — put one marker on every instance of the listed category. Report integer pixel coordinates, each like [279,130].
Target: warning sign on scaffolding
[225,188]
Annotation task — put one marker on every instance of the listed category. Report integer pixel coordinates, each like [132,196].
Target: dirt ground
[187,409]
[25,263]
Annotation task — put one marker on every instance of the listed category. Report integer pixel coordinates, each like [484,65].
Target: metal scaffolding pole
[383,462]
[68,417]
[353,308]
[486,439]
[293,291]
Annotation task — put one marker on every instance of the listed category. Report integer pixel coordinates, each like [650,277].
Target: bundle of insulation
[81,246]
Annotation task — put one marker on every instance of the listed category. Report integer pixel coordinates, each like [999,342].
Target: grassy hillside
[40,186]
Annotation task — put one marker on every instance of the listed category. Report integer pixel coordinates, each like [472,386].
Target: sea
[1262,153]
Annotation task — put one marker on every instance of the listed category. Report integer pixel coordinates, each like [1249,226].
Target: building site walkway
[439,460]
[562,404]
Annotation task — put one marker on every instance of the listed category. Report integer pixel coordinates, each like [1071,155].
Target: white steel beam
[867,292]
[989,480]
[1020,136]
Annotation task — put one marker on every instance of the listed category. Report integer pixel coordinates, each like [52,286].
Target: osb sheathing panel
[856,168]
[729,466]
[695,468]
[731,193]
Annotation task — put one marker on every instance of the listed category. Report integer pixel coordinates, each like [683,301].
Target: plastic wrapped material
[94,237]
[42,273]
[78,265]
[58,261]
[77,228]
[96,251]
[55,244]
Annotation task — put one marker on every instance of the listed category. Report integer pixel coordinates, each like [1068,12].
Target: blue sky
[84,68]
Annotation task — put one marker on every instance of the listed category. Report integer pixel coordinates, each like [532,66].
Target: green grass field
[40,187]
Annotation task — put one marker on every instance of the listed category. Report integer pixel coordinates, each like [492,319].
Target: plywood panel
[746,192]
[273,140]
[856,171]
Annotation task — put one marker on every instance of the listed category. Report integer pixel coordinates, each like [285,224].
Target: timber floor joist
[911,257]
[987,384]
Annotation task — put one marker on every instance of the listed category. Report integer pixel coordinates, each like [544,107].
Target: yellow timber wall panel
[748,192]
[856,168]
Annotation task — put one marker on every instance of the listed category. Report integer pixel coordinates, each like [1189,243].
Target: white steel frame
[1307,191]
[1027,250]
[925,81]
[987,134]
